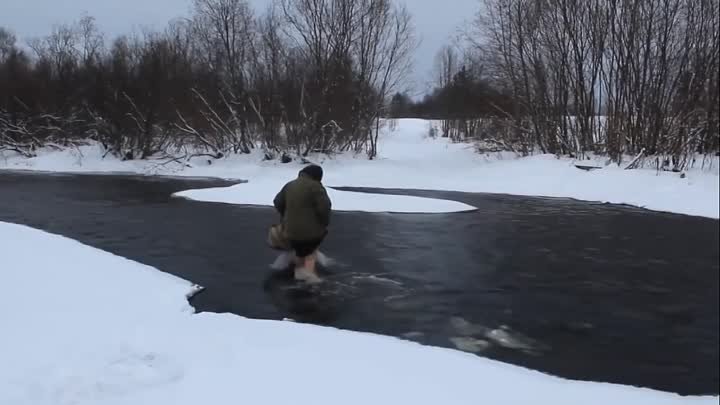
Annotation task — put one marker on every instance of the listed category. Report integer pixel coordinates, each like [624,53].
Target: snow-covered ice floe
[82,326]
[262,192]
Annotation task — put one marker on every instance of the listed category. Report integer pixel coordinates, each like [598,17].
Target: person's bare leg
[311,263]
[308,271]
[299,267]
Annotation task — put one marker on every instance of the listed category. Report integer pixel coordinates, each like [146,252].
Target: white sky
[436,20]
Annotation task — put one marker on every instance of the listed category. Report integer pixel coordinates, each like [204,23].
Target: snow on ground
[81,326]
[409,159]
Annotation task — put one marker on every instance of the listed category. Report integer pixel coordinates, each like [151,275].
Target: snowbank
[409,159]
[81,326]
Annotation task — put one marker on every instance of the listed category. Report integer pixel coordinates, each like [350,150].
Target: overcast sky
[436,20]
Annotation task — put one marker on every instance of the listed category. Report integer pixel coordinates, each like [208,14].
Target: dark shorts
[304,248]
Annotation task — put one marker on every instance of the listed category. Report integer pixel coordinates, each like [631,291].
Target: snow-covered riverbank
[409,159]
[82,326]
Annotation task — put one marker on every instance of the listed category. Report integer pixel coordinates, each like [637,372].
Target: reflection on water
[580,290]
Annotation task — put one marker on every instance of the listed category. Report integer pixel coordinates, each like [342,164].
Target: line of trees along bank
[304,75]
[615,77]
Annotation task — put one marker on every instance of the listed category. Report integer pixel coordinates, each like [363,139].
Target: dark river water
[580,290]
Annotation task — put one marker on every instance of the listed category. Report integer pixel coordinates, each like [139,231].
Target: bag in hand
[277,239]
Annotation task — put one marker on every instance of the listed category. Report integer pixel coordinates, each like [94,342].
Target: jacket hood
[315,172]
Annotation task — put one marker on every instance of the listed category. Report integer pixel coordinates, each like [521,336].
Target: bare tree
[446,65]
[59,49]
[225,30]
[359,52]
[7,43]
[91,40]
[307,75]
[635,60]
[269,73]
[386,45]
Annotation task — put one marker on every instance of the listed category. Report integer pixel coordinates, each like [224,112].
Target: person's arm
[279,201]
[323,206]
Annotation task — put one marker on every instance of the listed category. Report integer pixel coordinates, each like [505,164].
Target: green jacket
[305,208]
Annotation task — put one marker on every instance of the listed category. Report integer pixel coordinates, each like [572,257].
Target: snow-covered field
[81,326]
[409,159]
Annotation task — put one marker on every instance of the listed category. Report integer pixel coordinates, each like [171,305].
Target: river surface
[580,290]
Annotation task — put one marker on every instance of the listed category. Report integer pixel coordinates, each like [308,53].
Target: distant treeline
[303,75]
[618,77]
[614,77]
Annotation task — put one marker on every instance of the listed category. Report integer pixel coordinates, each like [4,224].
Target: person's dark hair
[315,172]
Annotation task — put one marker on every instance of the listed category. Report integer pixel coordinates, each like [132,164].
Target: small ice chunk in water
[413,335]
[502,336]
[469,344]
[505,339]
[465,328]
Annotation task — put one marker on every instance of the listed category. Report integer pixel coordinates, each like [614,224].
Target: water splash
[285,260]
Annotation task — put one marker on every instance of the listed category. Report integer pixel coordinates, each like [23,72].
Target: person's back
[305,208]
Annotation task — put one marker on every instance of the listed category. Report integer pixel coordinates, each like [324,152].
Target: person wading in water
[305,208]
